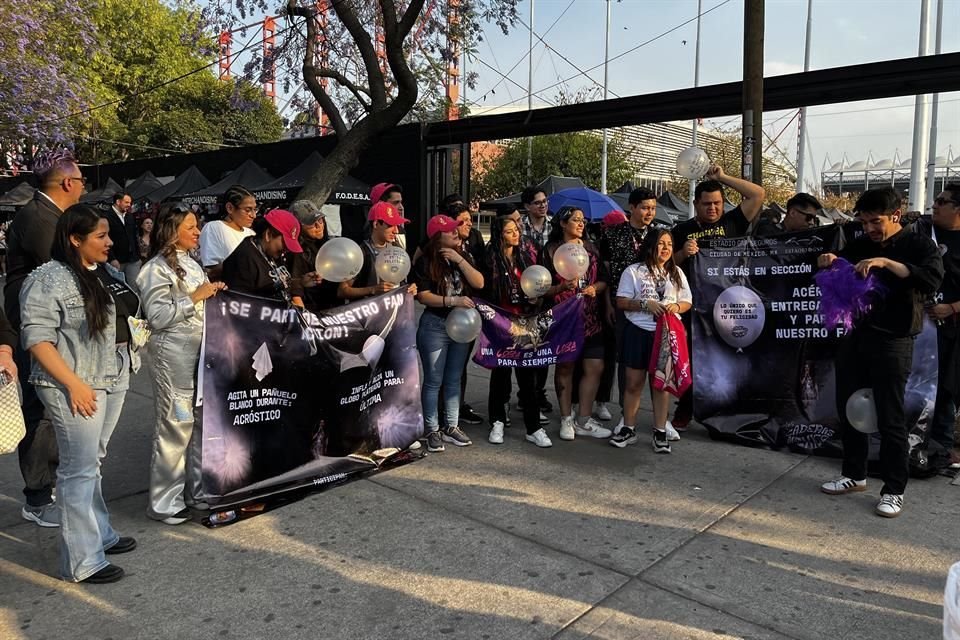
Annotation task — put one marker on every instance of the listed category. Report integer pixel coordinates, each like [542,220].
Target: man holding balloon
[385,220]
[877,354]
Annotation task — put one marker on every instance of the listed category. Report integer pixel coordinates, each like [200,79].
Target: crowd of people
[88,290]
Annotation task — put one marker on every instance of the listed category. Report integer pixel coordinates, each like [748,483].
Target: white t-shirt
[637,283]
[218,240]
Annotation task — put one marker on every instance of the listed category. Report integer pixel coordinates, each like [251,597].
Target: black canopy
[187,182]
[285,188]
[103,194]
[145,184]
[249,174]
[16,197]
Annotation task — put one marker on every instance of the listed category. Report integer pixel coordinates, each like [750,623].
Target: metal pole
[696,83]
[921,120]
[801,147]
[932,158]
[606,64]
[530,97]
[752,90]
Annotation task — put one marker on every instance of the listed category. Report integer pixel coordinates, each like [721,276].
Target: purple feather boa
[845,297]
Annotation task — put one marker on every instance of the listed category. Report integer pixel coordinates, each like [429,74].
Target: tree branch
[378,89]
[310,75]
[394,35]
[343,81]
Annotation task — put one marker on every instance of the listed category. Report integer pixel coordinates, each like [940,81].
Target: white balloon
[862,412]
[571,260]
[738,316]
[535,281]
[339,260]
[463,325]
[393,264]
[693,163]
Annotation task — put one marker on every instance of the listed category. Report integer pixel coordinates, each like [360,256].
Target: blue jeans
[442,360]
[85,529]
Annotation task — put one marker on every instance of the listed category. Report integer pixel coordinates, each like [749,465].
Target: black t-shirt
[125,301]
[249,270]
[899,312]
[453,285]
[948,244]
[732,224]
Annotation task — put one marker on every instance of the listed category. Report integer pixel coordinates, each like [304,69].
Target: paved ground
[492,542]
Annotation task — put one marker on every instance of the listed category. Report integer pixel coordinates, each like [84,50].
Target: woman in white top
[648,290]
[174,288]
[219,238]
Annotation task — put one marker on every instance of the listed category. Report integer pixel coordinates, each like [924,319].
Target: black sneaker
[544,404]
[110,573]
[506,415]
[660,442]
[624,438]
[434,442]
[467,415]
[456,436]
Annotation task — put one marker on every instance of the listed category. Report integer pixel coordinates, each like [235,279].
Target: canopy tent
[187,182]
[550,185]
[249,174]
[140,187]
[285,188]
[102,195]
[16,197]
[670,200]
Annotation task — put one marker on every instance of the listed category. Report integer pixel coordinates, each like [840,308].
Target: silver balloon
[463,325]
[392,264]
[571,260]
[693,163]
[339,260]
[738,316]
[861,411]
[535,281]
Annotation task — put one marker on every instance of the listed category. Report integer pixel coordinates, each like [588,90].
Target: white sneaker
[566,428]
[617,429]
[672,434]
[593,429]
[540,438]
[543,418]
[843,485]
[496,433]
[414,446]
[890,505]
[601,412]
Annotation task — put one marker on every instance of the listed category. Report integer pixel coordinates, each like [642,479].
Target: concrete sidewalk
[507,542]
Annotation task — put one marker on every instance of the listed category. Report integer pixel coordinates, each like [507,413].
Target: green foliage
[575,154]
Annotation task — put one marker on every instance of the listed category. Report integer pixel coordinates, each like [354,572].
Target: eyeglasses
[578,220]
[942,201]
[539,203]
[82,180]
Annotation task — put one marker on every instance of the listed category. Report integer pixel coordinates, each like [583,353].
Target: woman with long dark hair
[257,265]
[445,277]
[648,290]
[220,238]
[506,261]
[143,239]
[174,288]
[75,312]
[568,226]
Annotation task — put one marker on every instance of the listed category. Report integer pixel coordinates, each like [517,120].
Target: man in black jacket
[878,353]
[124,255]
[29,240]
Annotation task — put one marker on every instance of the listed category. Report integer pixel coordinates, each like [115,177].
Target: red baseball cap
[377,191]
[441,223]
[286,224]
[386,212]
[614,218]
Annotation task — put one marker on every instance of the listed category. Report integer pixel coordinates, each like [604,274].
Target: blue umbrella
[595,205]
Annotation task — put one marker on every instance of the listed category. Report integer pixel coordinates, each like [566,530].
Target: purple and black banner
[540,340]
[763,361]
[292,400]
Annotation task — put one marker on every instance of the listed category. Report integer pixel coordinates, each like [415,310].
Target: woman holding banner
[75,312]
[568,226]
[174,288]
[256,266]
[648,290]
[506,261]
[445,277]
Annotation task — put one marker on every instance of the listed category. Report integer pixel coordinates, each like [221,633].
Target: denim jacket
[52,311]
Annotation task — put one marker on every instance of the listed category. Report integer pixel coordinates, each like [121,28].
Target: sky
[845,32]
